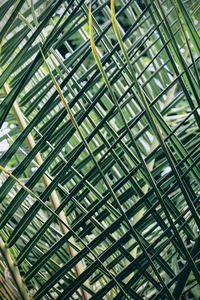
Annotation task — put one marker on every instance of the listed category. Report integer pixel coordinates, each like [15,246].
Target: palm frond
[99,116]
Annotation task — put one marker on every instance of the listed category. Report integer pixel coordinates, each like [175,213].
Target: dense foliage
[99,149]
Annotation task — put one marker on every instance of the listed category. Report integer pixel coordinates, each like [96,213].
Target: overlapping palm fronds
[100,172]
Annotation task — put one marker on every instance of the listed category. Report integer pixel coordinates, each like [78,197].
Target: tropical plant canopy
[99,149]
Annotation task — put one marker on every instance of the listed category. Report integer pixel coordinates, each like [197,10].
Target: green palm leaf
[99,149]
